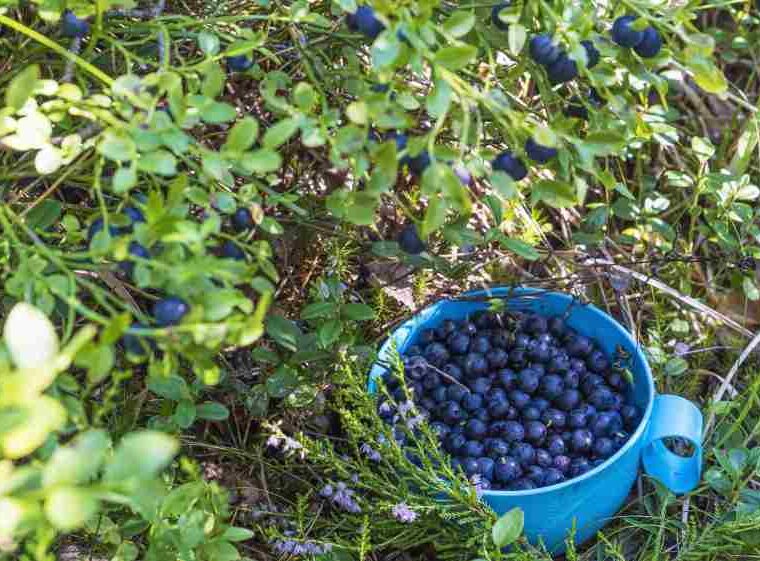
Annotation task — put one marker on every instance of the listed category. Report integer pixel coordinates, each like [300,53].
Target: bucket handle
[674,416]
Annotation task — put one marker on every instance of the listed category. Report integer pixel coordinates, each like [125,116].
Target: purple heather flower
[355,478]
[405,407]
[403,513]
[327,491]
[681,348]
[297,549]
[370,452]
[385,408]
[273,441]
[477,483]
[343,499]
[414,422]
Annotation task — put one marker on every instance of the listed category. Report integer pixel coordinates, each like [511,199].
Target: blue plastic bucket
[590,501]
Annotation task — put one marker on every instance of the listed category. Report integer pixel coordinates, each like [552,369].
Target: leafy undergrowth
[213,213]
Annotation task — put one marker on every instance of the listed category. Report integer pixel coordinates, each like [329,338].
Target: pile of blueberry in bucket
[519,401]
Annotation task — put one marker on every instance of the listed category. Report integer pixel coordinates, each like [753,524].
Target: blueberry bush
[213,212]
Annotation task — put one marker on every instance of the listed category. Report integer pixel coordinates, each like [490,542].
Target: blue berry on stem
[231,250]
[170,311]
[650,45]
[365,22]
[242,220]
[238,63]
[409,240]
[539,153]
[495,11]
[486,467]
[511,165]
[562,70]
[623,34]
[543,50]
[73,26]
[473,449]
[592,53]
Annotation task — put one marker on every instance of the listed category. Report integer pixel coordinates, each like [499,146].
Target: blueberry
[496,394]
[511,165]
[555,445]
[535,432]
[230,250]
[579,346]
[483,319]
[582,441]
[536,325]
[446,328]
[630,415]
[416,390]
[475,429]
[620,439]
[521,340]
[559,363]
[604,424]
[553,476]
[517,358]
[535,474]
[468,328]
[495,11]
[616,380]
[578,365]
[543,50]
[539,352]
[579,466]
[486,467]
[507,470]
[453,443]
[72,26]
[531,413]
[497,358]
[365,22]
[519,399]
[427,403]
[470,466]
[592,53]
[238,63]
[453,371]
[523,453]
[562,70]
[554,418]
[242,220]
[623,34]
[482,415]
[409,240]
[135,250]
[419,163]
[499,408]
[522,484]
[528,380]
[431,381]
[480,344]
[604,447]
[540,403]
[97,226]
[501,339]
[497,448]
[473,449]
[453,413]
[134,215]
[557,326]
[544,458]
[602,398]
[507,378]
[551,386]
[480,385]
[458,343]
[571,379]
[414,350]
[513,431]
[436,354]
[575,109]
[380,88]
[650,44]
[577,419]
[415,367]
[472,402]
[475,365]
[597,362]
[562,463]
[135,345]
[590,382]
[568,400]
[539,153]
[170,311]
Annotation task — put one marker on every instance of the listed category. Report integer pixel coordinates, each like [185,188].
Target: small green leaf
[455,58]
[184,414]
[318,310]
[243,135]
[521,248]
[516,36]
[44,215]
[708,76]
[435,216]
[385,50]
[304,96]
[459,23]
[236,534]
[208,42]
[160,162]
[22,87]
[282,382]
[329,332]
[283,331]
[676,367]
[124,179]
[212,411]
[508,528]
[116,145]
[357,312]
[280,133]
[218,112]
[750,289]
[141,455]
[554,193]
[68,508]
[263,160]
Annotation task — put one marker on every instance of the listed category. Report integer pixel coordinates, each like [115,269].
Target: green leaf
[319,310]
[504,185]
[304,96]
[280,133]
[435,216]
[554,193]
[21,87]
[212,411]
[218,112]
[98,359]
[516,36]
[385,50]
[750,289]
[124,179]
[282,382]
[184,413]
[676,367]
[116,145]
[508,528]
[220,550]
[283,331]
[263,160]
[439,102]
[169,387]
[141,455]
[44,215]
[213,80]
[455,58]
[236,534]
[357,312]
[459,23]
[521,248]
[329,332]
[208,43]
[243,135]
[707,76]
[79,461]
[68,508]
[160,162]
[182,498]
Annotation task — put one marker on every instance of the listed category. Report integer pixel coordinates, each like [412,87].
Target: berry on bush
[365,22]
[539,153]
[562,70]
[239,63]
[73,26]
[592,53]
[650,44]
[170,311]
[495,11]
[242,220]
[623,34]
[511,165]
[409,240]
[543,50]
